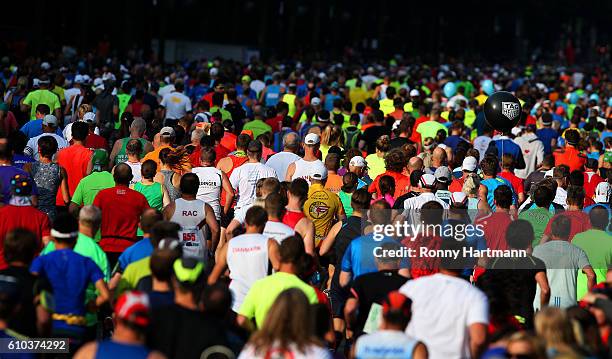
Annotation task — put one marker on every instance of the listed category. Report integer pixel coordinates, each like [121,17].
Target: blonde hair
[554,327]
[471,184]
[288,323]
[82,110]
[332,136]
[538,349]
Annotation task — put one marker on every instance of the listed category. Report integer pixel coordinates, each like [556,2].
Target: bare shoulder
[87,351]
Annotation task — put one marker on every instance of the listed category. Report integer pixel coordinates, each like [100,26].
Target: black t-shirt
[104,104]
[179,332]
[371,134]
[351,229]
[372,288]
[514,280]
[399,202]
[24,321]
[533,178]
[398,142]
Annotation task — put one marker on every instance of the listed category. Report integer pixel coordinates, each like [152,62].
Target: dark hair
[47,145]
[395,160]
[489,166]
[275,205]
[380,212]
[43,109]
[575,196]
[519,234]
[332,161]
[543,196]
[149,218]
[299,188]
[503,196]
[360,200]
[576,178]
[256,216]
[190,184]
[242,141]
[122,174]
[386,184]
[164,229]
[292,250]
[20,245]
[80,130]
[349,182]
[161,264]
[432,213]
[208,155]
[217,131]
[561,227]
[598,217]
[134,146]
[148,169]
[217,300]
[66,223]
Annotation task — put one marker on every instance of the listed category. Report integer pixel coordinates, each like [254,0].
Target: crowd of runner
[220,209]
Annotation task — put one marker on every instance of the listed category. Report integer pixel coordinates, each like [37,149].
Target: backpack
[351,136]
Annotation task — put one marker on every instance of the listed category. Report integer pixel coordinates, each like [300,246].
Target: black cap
[572,136]
[254,146]
[547,119]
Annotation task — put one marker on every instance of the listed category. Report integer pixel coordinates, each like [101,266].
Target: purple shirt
[6,174]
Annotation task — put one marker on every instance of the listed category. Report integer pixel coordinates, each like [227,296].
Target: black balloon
[502,111]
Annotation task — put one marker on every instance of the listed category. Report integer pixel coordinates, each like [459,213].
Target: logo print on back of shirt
[318,209]
[510,110]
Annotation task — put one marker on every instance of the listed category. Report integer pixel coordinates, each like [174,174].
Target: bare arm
[168,211]
[104,295]
[420,351]
[165,197]
[329,240]
[478,339]
[290,172]
[213,225]
[229,192]
[220,265]
[115,151]
[591,277]
[542,281]
[273,253]
[345,278]
[64,185]
[87,351]
[229,231]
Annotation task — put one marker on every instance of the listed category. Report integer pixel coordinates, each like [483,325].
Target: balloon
[487,87]
[450,89]
[610,102]
[594,97]
[502,111]
[574,98]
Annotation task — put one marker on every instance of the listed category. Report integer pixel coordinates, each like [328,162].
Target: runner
[212,181]
[302,167]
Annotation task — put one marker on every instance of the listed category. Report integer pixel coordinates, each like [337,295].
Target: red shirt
[402,183]
[423,266]
[229,141]
[571,157]
[276,123]
[93,142]
[416,137]
[579,220]
[220,152]
[291,218]
[494,226]
[26,217]
[121,209]
[517,183]
[591,180]
[456,185]
[74,159]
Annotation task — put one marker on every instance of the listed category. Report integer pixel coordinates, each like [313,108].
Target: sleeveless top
[189,215]
[492,184]
[122,154]
[278,231]
[472,207]
[272,95]
[209,190]
[109,349]
[302,169]
[136,174]
[345,199]
[247,260]
[289,99]
[47,178]
[173,192]
[152,192]
[291,218]
[237,161]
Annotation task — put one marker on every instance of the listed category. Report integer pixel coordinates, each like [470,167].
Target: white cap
[78,79]
[167,132]
[213,71]
[601,192]
[315,101]
[458,197]
[86,78]
[89,117]
[50,120]
[98,82]
[311,139]
[414,93]
[516,131]
[469,164]
[442,146]
[427,180]
[45,66]
[357,161]
[318,171]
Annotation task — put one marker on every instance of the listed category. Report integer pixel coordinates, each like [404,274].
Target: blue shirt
[137,251]
[507,146]
[359,257]
[69,274]
[492,184]
[34,128]
[109,349]
[20,160]
[546,135]
[453,140]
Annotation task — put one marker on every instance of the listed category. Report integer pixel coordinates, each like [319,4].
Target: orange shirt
[402,183]
[229,141]
[154,155]
[334,183]
[571,157]
[75,159]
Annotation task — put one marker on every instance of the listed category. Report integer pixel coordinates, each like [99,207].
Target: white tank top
[210,187]
[302,169]
[189,214]
[277,230]
[247,260]
[137,175]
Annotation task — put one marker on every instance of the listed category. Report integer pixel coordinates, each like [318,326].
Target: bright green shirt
[539,218]
[376,165]
[134,272]
[89,186]
[258,127]
[264,292]
[430,129]
[87,247]
[597,245]
[37,97]
[225,114]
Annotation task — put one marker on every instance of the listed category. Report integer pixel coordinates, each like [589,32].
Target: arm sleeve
[46,227]
[37,265]
[95,274]
[478,310]
[583,260]
[77,197]
[188,106]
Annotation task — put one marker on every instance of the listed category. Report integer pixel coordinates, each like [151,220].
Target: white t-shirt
[209,190]
[385,344]
[68,131]
[533,153]
[31,148]
[247,260]
[412,206]
[257,86]
[244,179]
[277,230]
[561,197]
[312,352]
[280,162]
[176,104]
[68,94]
[136,173]
[481,143]
[443,308]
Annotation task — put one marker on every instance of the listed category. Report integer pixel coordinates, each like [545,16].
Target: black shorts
[338,297]
[226,218]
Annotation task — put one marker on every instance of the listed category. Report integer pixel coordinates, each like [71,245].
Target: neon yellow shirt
[37,97]
[264,292]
